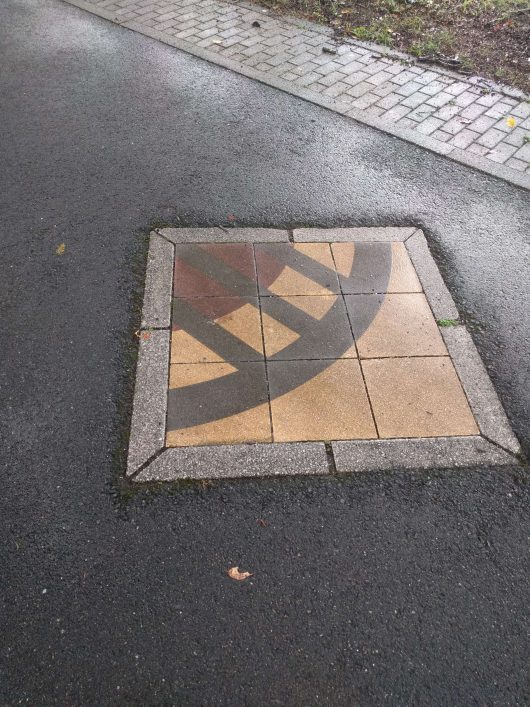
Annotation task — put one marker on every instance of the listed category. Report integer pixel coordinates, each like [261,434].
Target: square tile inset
[262,375]
[417,397]
[217,403]
[311,400]
[394,325]
[214,270]
[216,329]
[296,269]
[318,328]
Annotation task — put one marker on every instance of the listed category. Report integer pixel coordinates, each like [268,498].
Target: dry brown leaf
[234,573]
[60,249]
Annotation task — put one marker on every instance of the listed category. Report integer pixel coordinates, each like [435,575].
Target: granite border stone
[483,400]
[156,311]
[408,454]
[362,234]
[237,461]
[216,234]
[148,425]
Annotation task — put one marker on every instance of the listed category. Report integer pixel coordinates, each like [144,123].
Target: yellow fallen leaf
[60,249]
[234,573]
[511,122]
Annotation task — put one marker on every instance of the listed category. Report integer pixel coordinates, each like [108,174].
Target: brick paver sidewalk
[438,109]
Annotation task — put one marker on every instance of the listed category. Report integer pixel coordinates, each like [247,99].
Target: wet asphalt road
[378,589]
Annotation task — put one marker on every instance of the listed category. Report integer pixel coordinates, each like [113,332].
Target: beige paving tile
[371,273]
[287,269]
[319,252]
[238,317]
[417,397]
[199,398]
[291,282]
[184,374]
[326,404]
[244,323]
[325,333]
[394,325]
[201,270]
[277,336]
[249,426]
[185,349]
[316,307]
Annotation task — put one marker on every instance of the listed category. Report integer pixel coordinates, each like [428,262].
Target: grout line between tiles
[263,344]
[273,296]
[320,358]
[354,341]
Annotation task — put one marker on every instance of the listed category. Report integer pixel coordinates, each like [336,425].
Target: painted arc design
[248,306]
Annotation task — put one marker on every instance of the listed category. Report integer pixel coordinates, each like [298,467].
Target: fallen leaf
[231,217]
[262,522]
[60,249]
[234,573]
[146,335]
[511,122]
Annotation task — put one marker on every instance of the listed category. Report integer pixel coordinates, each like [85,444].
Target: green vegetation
[487,37]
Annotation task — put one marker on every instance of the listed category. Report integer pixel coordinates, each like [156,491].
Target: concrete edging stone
[150,460]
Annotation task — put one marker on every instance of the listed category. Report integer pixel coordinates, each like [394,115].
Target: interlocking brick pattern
[448,109]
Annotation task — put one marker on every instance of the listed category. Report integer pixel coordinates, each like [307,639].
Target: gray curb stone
[236,461]
[156,311]
[440,300]
[148,426]
[224,235]
[307,235]
[437,452]
[486,406]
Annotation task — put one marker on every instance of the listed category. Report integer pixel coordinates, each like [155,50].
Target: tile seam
[356,348]
[265,357]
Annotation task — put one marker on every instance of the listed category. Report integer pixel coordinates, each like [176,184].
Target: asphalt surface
[370,589]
